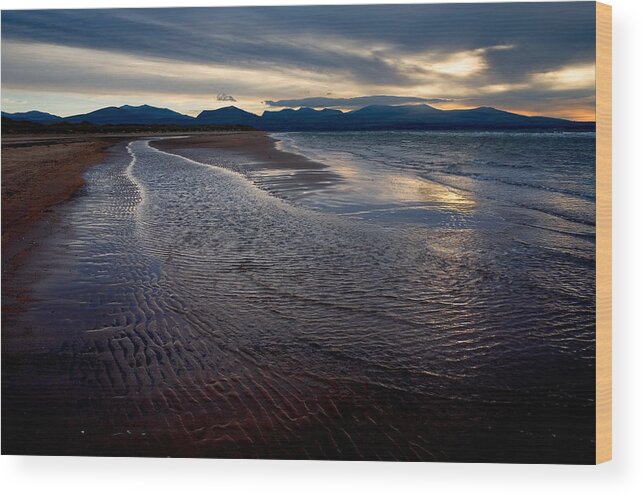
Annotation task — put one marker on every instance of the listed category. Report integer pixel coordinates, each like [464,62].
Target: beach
[225,296]
[255,154]
[37,174]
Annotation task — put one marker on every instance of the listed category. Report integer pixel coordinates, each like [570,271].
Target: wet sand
[257,145]
[186,313]
[37,173]
[46,408]
[255,155]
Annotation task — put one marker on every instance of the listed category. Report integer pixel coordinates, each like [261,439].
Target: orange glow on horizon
[583,114]
[574,114]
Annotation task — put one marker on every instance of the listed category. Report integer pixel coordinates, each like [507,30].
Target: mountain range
[33,116]
[372,117]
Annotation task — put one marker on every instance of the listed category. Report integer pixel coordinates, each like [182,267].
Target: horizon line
[317,109]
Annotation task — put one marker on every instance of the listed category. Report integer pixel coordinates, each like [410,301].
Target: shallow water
[405,313]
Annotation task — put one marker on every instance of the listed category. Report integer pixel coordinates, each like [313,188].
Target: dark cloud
[355,102]
[222,97]
[544,36]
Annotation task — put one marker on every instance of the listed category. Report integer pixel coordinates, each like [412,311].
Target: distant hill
[228,115]
[372,117]
[127,114]
[387,117]
[303,119]
[33,116]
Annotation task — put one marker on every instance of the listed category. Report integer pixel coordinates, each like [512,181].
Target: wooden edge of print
[603,232]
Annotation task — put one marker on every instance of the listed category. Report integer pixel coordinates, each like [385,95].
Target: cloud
[13,101]
[572,77]
[354,102]
[456,51]
[222,97]
[365,42]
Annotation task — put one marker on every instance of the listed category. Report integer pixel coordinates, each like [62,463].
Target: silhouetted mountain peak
[228,115]
[230,109]
[307,110]
[129,114]
[141,107]
[33,116]
[395,109]
[489,110]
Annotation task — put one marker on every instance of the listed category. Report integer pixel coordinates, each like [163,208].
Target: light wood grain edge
[603,232]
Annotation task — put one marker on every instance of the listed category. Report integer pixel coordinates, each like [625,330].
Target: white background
[52,476]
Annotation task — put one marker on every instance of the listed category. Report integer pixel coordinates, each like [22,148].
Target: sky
[530,58]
